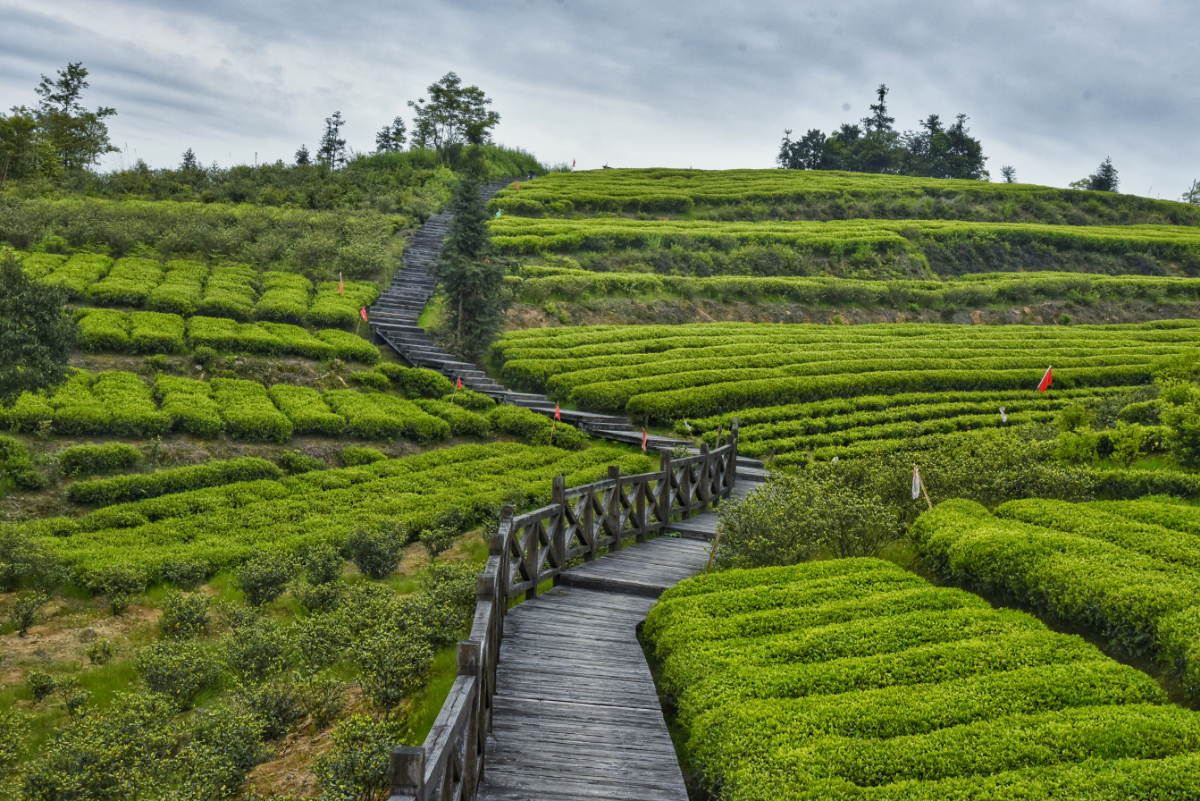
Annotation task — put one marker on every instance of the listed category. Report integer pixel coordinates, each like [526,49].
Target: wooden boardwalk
[576,715]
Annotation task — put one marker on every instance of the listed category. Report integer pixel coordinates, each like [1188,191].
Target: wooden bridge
[554,699]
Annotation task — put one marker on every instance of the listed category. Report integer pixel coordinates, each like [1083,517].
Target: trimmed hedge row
[307,410]
[16,464]
[128,283]
[377,416]
[219,527]
[1108,566]
[538,429]
[417,382]
[79,272]
[864,694]
[190,405]
[181,290]
[105,491]
[463,423]
[114,403]
[82,460]
[334,310]
[248,411]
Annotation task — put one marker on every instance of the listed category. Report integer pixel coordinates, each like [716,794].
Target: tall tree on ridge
[453,116]
[332,150]
[78,136]
[392,137]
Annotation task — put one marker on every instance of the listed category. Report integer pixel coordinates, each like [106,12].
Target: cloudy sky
[1050,87]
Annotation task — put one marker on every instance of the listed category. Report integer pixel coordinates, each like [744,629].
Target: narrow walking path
[576,715]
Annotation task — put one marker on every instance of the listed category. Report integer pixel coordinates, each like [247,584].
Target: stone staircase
[394,318]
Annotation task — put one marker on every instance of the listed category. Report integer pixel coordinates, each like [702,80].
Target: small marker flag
[685,425]
[497,213]
[916,487]
[645,438]
[1003,416]
[363,313]
[572,164]
[1046,379]
[459,384]
[517,184]
[341,286]
[557,413]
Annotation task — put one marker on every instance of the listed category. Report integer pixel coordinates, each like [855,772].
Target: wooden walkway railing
[526,551]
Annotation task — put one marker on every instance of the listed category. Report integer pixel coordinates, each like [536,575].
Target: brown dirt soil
[613,311]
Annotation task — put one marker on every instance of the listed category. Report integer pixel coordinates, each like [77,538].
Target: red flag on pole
[341,286]
[517,184]
[557,413]
[363,313]
[1045,382]
[645,437]
[459,384]
[572,164]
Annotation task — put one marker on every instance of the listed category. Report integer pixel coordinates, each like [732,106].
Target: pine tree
[392,138]
[333,148]
[190,162]
[471,279]
[302,156]
[1105,178]
[36,333]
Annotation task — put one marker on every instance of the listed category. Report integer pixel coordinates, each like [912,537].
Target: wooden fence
[526,551]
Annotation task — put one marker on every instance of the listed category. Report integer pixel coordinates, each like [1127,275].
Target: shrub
[263,577]
[322,564]
[128,283]
[330,309]
[172,480]
[285,297]
[371,379]
[323,698]
[349,347]
[179,670]
[229,293]
[318,598]
[24,611]
[358,767]
[277,703]
[470,399]
[41,685]
[295,462]
[15,463]
[536,428]
[183,616]
[377,416]
[80,460]
[223,744]
[119,584]
[257,651]
[375,552]
[100,651]
[321,639]
[13,729]
[155,332]
[103,330]
[181,288]
[392,664]
[186,573]
[462,422]
[248,411]
[436,540]
[793,518]
[353,455]
[307,410]
[190,405]
[231,336]
[417,382]
[80,272]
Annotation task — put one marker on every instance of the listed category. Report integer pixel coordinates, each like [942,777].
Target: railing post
[643,519]
[613,512]
[408,771]
[588,522]
[665,490]
[499,546]
[733,456]
[685,490]
[558,537]
[705,478]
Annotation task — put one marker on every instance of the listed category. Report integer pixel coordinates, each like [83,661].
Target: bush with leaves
[119,584]
[793,518]
[276,703]
[375,552]
[470,399]
[16,464]
[25,610]
[321,640]
[322,696]
[392,665]
[358,768]
[223,744]
[179,670]
[26,561]
[353,455]
[80,460]
[264,576]
[323,564]
[183,616]
[100,652]
[295,462]
[41,685]
[437,539]
[446,601]
[187,574]
[13,729]
[416,382]
[119,753]
[318,598]
[258,651]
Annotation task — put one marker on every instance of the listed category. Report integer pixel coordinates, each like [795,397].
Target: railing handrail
[525,551]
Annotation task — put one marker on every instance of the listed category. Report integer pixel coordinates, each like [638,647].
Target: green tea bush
[82,460]
[24,612]
[323,698]
[307,410]
[80,272]
[536,428]
[285,297]
[112,403]
[297,341]
[330,309]
[155,332]
[225,334]
[41,685]
[376,553]
[264,576]
[470,399]
[25,561]
[17,465]
[323,564]
[437,540]
[353,455]
[100,652]
[103,491]
[295,462]
[229,292]
[371,379]
[223,744]
[189,404]
[179,670]
[40,265]
[258,651]
[181,289]
[377,416]
[276,703]
[818,680]
[417,382]
[103,330]
[393,665]
[462,422]
[128,283]
[360,762]
[248,412]
[183,616]
[318,598]
[349,347]
[119,584]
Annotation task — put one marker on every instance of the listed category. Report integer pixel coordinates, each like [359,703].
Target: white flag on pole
[1003,416]
[916,483]
[685,425]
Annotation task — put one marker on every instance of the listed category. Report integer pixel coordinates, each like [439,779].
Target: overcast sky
[1050,87]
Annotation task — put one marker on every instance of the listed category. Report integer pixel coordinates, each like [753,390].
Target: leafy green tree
[453,115]
[392,137]
[1104,179]
[375,552]
[332,150]
[940,152]
[472,281]
[1192,195]
[190,163]
[264,576]
[24,153]
[1009,173]
[36,332]
[78,136]
[303,159]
